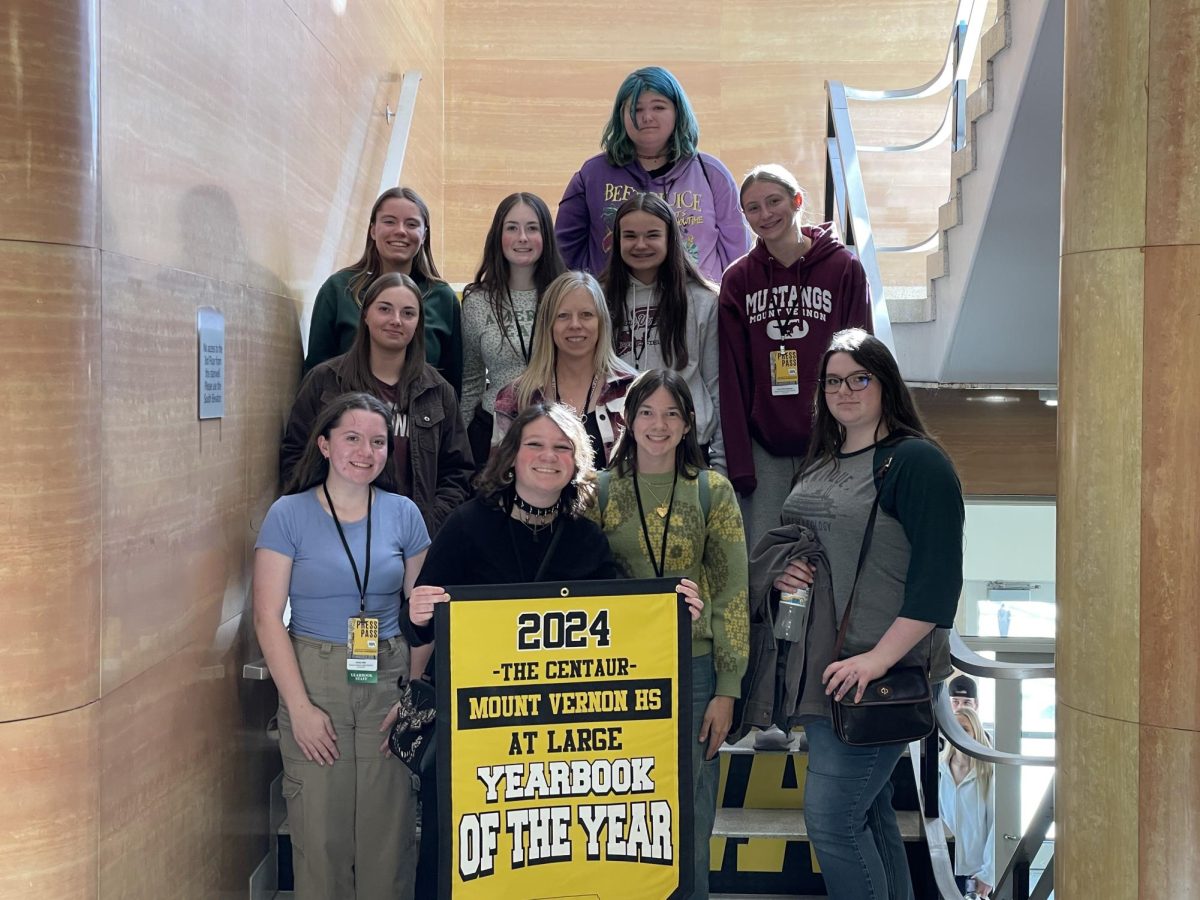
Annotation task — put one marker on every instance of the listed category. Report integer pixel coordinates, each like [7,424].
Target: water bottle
[792,617]
[971,892]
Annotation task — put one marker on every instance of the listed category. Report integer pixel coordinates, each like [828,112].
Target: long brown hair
[689,458]
[492,277]
[313,467]
[900,417]
[497,485]
[674,275]
[369,264]
[355,366]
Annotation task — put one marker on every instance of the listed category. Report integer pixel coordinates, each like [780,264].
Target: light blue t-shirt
[322,589]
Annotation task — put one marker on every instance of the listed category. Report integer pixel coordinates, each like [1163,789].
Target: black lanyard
[660,563]
[512,308]
[361,584]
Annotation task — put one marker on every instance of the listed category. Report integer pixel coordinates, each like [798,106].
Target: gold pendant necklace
[663,505]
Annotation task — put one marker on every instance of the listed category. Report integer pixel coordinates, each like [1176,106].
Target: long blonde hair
[539,374]
[983,770]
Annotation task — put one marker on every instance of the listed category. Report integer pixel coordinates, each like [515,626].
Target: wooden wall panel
[528,94]
[50,484]
[185,765]
[49,788]
[1005,448]
[48,146]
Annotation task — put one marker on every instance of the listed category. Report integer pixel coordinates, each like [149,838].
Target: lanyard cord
[661,563]
[361,584]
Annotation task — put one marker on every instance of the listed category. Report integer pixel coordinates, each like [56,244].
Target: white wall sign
[210,331]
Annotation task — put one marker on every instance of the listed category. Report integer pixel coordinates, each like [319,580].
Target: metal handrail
[845,194]
[950,728]
[972,663]
[969,13]
[842,169]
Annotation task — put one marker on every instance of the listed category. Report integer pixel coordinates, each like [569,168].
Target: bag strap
[862,557]
[844,628]
[602,479]
[705,499]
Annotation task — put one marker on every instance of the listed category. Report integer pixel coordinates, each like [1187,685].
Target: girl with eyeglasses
[868,439]
[779,306]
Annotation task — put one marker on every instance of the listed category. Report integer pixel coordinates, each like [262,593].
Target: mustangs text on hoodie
[768,311]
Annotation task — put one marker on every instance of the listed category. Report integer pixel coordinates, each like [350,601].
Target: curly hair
[496,484]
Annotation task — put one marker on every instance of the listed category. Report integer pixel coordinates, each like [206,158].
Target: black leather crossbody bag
[896,708]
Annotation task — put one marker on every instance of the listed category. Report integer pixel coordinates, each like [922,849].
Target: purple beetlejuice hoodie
[699,189]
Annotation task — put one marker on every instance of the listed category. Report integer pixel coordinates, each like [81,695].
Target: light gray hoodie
[639,346]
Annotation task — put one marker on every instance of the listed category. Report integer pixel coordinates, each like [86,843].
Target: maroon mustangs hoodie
[775,322]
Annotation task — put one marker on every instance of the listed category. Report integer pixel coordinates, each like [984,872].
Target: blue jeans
[706,774]
[851,823]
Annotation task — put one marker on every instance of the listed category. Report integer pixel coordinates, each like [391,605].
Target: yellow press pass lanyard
[362,631]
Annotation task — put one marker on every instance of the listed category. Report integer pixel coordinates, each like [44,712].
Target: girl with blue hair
[650,146]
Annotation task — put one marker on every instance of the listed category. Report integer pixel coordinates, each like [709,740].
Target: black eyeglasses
[831,384]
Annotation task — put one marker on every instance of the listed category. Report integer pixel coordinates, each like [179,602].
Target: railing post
[959,104]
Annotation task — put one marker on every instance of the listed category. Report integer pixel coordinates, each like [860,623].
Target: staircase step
[997,37]
[979,102]
[909,304]
[950,212]
[935,263]
[962,161]
[789,824]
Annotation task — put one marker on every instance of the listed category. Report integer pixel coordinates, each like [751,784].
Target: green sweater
[712,554]
[335,318]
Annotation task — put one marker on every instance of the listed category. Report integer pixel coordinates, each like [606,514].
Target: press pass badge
[784,380]
[362,650]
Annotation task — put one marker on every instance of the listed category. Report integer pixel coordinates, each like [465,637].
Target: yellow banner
[563,763]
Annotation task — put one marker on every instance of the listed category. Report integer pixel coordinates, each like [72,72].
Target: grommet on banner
[565,592]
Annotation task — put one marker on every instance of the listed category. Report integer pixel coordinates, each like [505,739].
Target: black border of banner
[547,590]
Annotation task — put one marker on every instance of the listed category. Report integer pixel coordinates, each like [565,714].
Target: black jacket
[438,449]
[769,694]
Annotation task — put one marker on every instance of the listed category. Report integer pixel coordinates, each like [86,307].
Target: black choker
[530,510]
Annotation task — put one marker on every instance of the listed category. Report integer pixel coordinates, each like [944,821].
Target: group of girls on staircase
[641,336]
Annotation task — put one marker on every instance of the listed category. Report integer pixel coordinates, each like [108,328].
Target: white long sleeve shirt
[971,817]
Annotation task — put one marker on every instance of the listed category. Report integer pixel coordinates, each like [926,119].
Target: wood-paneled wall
[530,84]
[240,151]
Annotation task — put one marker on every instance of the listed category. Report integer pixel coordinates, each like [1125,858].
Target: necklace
[659,562]
[663,505]
[529,509]
[587,401]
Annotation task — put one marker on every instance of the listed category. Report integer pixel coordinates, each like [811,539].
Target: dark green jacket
[335,321]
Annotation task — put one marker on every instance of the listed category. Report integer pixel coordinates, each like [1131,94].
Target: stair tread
[789,824]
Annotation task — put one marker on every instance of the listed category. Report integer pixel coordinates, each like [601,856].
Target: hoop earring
[509,476]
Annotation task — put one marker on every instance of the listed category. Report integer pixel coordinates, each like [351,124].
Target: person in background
[397,241]
[525,525]
[665,514]
[651,146]
[664,312]
[869,440]
[432,459]
[964,693]
[572,363]
[967,804]
[780,304]
[339,548]
[520,259]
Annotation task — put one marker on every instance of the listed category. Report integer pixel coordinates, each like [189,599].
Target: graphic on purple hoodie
[699,189]
[766,307]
